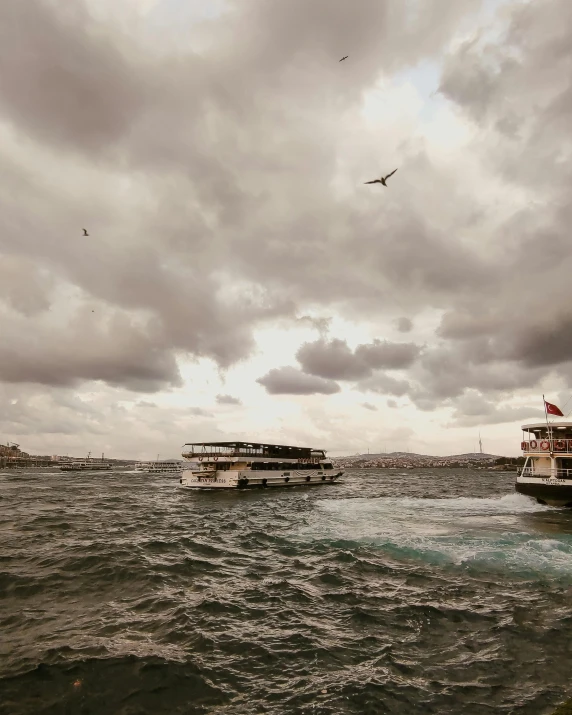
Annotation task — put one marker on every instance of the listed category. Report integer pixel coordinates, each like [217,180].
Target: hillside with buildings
[410,460]
[12,456]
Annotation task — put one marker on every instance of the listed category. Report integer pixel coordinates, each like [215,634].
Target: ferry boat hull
[95,467]
[547,472]
[549,491]
[229,480]
[241,465]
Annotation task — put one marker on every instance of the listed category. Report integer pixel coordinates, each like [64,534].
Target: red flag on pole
[552,409]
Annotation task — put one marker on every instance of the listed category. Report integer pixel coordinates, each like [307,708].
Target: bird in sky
[382,180]
[344,58]
[85,233]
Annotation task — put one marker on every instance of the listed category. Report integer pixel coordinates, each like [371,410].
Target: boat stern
[547,471]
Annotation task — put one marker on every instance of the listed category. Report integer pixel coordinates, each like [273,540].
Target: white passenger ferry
[156,466]
[547,472]
[239,465]
[88,464]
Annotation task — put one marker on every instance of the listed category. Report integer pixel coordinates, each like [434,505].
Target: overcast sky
[240,281]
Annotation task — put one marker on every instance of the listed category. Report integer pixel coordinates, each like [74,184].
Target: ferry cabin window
[328,465]
[282,466]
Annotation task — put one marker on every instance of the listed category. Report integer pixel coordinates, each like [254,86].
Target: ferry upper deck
[540,437]
[250,450]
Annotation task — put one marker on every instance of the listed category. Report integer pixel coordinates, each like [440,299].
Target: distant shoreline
[480,467]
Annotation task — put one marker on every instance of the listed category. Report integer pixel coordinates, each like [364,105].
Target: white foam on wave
[510,531]
[508,503]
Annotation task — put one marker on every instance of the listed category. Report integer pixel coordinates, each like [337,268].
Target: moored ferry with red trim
[547,472]
[240,465]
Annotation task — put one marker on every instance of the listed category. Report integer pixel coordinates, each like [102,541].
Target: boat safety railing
[546,473]
[547,445]
[208,452]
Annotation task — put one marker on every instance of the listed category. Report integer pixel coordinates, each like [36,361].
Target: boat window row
[245,450]
[269,466]
[281,466]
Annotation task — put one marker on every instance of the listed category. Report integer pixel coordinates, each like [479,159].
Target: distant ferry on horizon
[547,472]
[157,466]
[240,465]
[87,465]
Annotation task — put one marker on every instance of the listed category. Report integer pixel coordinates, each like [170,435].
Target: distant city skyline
[238,279]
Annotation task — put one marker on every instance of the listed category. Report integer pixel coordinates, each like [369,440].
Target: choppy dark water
[426,591]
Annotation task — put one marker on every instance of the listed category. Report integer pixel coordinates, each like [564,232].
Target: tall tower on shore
[480,444]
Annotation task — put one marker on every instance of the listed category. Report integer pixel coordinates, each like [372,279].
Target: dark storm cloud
[227,400]
[374,32]
[199,412]
[118,353]
[472,410]
[30,296]
[446,372]
[47,420]
[335,360]
[547,344]
[322,325]
[64,79]
[518,91]
[25,412]
[68,82]
[404,325]
[289,381]
[458,376]
[385,385]
[369,406]
[206,181]
[495,82]
[499,416]
[390,356]
[522,323]
[218,147]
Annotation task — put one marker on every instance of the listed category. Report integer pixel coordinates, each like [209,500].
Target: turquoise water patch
[503,532]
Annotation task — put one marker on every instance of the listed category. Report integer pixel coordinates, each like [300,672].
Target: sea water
[417,591]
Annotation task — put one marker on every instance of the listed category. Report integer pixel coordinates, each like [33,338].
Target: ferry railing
[547,445]
[244,454]
[546,473]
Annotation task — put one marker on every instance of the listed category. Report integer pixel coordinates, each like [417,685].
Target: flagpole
[547,425]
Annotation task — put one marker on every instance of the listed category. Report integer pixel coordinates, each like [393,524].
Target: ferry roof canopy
[253,448]
[538,426]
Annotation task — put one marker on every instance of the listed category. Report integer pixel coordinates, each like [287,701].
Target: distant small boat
[156,466]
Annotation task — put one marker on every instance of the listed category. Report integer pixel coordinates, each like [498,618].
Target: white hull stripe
[544,480]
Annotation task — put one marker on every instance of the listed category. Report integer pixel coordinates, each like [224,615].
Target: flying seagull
[382,180]
[344,58]
[85,233]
